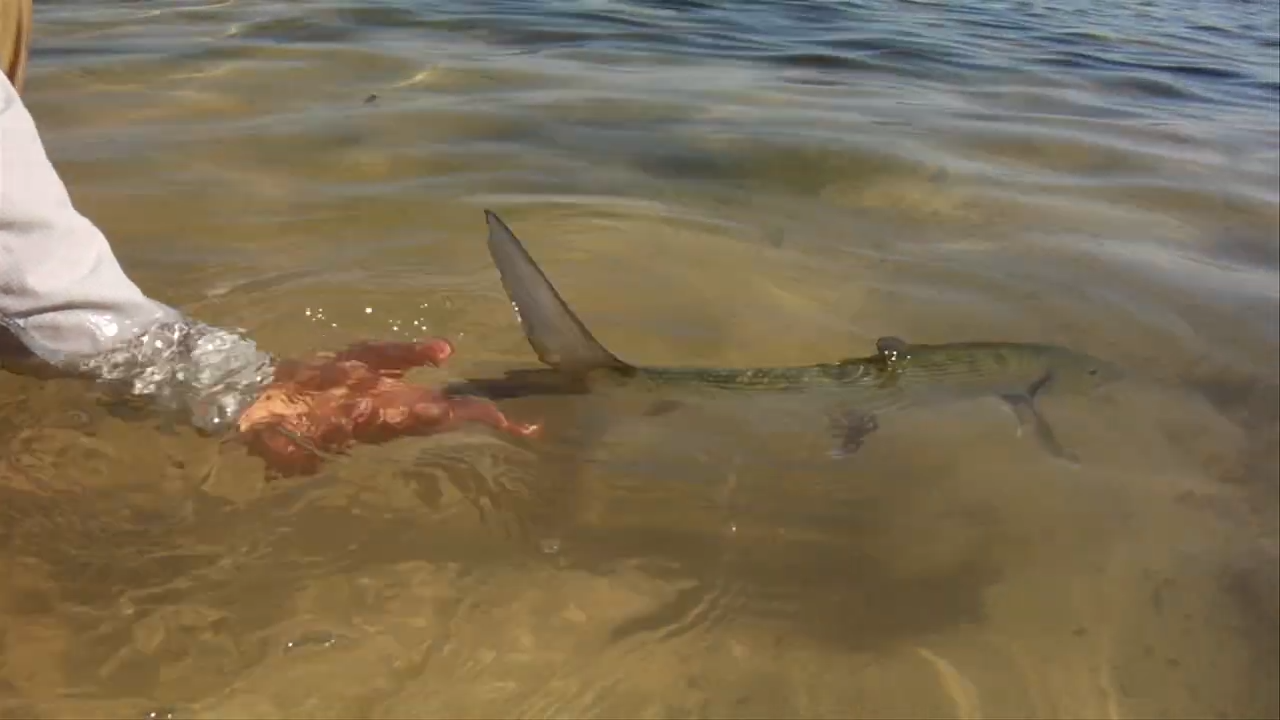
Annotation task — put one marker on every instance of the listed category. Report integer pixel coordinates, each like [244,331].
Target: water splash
[210,375]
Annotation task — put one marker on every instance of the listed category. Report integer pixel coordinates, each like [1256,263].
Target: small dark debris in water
[1080,631]
[1158,594]
[776,237]
[314,638]
[373,97]
[1173,662]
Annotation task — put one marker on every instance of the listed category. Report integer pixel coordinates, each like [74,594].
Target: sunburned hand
[356,396]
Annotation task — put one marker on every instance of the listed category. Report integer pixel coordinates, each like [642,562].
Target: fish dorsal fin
[892,350]
[552,329]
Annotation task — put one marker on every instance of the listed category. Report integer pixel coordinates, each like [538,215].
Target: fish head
[1071,372]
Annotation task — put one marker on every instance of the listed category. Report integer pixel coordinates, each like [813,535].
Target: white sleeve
[58,276]
[64,296]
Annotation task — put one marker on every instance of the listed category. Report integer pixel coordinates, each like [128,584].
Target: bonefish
[897,376]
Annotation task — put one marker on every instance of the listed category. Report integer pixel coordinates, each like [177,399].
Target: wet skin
[326,405]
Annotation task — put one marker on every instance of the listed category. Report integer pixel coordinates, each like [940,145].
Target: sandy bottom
[708,562]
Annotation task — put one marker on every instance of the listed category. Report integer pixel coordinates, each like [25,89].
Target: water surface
[745,183]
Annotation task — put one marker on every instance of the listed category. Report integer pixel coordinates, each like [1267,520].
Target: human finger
[403,409]
[390,357]
[329,373]
[282,453]
[473,409]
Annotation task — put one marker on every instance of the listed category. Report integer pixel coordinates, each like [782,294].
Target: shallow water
[747,183]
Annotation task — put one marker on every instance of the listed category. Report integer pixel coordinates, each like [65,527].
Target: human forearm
[64,296]
[71,308]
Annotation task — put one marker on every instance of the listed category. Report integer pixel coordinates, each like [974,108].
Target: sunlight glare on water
[721,184]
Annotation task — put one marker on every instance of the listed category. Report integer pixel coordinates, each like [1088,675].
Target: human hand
[356,396]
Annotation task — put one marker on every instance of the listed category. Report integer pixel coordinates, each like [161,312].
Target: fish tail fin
[556,334]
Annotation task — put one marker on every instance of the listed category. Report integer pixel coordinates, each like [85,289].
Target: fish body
[898,375]
[953,369]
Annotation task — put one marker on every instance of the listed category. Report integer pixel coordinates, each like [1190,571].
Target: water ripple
[745,183]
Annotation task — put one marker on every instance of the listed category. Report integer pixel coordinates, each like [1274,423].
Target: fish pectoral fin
[851,428]
[663,407]
[1029,417]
